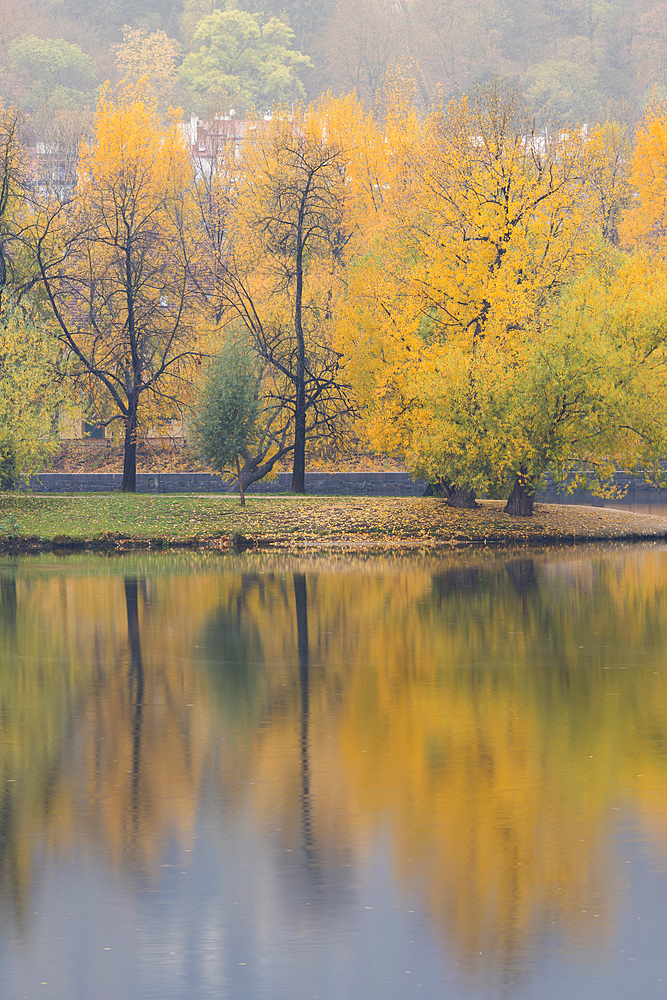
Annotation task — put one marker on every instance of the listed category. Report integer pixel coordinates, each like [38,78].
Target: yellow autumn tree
[115,266]
[645,221]
[485,221]
[30,391]
[497,218]
[608,152]
[358,133]
[581,395]
[152,56]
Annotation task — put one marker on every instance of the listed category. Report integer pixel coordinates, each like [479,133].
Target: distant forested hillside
[571,57]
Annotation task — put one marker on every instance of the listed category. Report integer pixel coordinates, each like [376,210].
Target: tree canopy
[245,58]
[645,221]
[52,65]
[568,59]
[455,324]
[153,55]
[29,390]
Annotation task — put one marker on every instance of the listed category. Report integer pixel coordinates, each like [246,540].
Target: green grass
[31,520]
[170,516]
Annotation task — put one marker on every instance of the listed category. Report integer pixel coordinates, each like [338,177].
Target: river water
[344,779]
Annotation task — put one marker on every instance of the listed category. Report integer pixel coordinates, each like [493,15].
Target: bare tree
[14,184]
[57,136]
[277,237]
[114,262]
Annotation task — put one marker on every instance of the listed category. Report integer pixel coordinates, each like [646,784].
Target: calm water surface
[245,777]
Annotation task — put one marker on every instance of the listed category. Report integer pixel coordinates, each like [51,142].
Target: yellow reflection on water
[494,716]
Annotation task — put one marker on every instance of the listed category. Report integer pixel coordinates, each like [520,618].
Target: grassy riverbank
[32,522]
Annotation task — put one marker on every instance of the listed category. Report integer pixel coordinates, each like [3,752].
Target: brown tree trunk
[461,497]
[299,463]
[254,469]
[129,484]
[240,479]
[521,501]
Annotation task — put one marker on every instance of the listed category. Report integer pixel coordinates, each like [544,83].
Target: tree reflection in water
[136,678]
[301,602]
[488,712]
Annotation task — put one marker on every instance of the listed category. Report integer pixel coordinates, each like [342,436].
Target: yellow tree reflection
[486,712]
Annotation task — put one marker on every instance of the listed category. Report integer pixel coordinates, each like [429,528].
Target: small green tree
[226,411]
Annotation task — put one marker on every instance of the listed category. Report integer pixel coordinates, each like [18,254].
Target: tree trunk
[522,500]
[462,497]
[299,465]
[129,484]
[253,469]
[301,601]
[136,684]
[240,479]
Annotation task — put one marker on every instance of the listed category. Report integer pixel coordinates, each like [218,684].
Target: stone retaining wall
[637,491]
[322,483]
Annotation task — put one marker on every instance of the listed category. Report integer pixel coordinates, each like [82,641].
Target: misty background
[571,58]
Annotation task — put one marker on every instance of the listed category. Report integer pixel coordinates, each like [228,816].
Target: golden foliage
[153,56]
[116,266]
[608,153]
[467,352]
[422,261]
[645,220]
